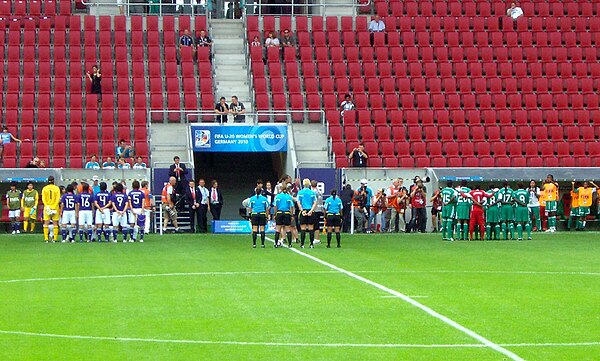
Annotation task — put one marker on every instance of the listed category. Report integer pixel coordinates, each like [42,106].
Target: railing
[196,116]
[154,7]
[296,7]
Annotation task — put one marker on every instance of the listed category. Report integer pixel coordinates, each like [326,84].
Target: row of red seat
[476,133]
[421,23]
[473,162]
[467,8]
[34,8]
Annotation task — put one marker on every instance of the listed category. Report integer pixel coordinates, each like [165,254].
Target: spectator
[256,42]
[347,104]
[216,200]
[179,172]
[5,138]
[205,41]
[96,78]
[95,184]
[124,150]
[418,203]
[123,164]
[436,210]
[36,163]
[238,110]
[93,163]
[186,40]
[358,156]
[376,25]
[272,41]
[222,109]
[514,11]
[287,40]
[139,164]
[109,164]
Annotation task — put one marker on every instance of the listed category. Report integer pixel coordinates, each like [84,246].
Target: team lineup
[81,209]
[499,211]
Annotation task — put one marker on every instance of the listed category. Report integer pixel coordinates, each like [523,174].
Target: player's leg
[472,221]
[302,230]
[254,221]
[329,230]
[263,222]
[46,225]
[26,213]
[277,231]
[81,225]
[311,234]
[124,227]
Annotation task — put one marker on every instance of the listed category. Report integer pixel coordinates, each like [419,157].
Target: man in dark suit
[216,200]
[204,206]
[179,171]
[193,197]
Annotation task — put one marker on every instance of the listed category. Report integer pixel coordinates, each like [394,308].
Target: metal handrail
[128,3]
[294,4]
[187,115]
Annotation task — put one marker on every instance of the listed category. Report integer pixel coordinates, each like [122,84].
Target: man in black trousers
[193,198]
[179,171]
[204,206]
[216,200]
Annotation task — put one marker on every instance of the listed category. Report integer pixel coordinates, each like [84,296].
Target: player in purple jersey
[141,224]
[120,204]
[68,219]
[136,199]
[85,211]
[103,217]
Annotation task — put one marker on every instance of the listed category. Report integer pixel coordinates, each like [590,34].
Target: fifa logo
[202,138]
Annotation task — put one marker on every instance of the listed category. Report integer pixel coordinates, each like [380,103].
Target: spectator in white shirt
[272,41]
[376,25]
[347,104]
[514,11]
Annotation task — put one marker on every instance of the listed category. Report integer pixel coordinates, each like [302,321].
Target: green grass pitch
[210,297]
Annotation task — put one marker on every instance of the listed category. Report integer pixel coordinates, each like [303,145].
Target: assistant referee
[284,206]
[259,206]
[333,214]
[307,201]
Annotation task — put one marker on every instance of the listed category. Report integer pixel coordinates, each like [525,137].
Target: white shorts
[86,218]
[14,213]
[119,219]
[103,217]
[69,217]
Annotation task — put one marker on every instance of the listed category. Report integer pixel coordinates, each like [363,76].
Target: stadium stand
[448,84]
[47,51]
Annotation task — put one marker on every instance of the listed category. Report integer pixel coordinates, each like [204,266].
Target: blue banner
[238,227]
[325,177]
[239,138]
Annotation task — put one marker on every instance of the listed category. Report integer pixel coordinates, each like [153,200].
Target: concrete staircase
[231,71]
[344,9]
[310,143]
[164,148]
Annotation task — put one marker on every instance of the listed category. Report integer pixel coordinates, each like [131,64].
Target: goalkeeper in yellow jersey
[29,203]
[51,199]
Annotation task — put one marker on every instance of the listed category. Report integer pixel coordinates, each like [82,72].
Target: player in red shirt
[477,211]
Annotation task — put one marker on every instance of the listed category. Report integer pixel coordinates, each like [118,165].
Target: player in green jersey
[505,196]
[29,203]
[449,196]
[522,219]
[463,211]
[492,215]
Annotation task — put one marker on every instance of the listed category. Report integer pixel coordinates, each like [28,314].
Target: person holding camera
[169,213]
[362,207]
[96,78]
[346,196]
[358,156]
[379,209]
[418,203]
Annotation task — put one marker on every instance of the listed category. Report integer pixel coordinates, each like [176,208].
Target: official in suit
[179,171]
[204,205]
[216,200]
[193,198]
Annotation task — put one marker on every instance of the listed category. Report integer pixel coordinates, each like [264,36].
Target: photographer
[358,156]
[379,209]
[418,202]
[346,196]
[358,202]
[170,213]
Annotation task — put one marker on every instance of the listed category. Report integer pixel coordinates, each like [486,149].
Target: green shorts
[550,206]
[449,212]
[507,213]
[574,212]
[522,214]
[463,212]
[492,215]
[584,211]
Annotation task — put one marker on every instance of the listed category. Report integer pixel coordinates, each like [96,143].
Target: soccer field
[379,297]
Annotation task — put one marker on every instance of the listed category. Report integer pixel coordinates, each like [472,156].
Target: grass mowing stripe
[417,304]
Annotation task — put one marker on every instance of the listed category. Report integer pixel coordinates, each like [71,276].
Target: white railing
[297,7]
[129,7]
[257,117]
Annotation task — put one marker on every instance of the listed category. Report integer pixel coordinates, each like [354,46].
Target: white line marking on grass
[164,275]
[417,304]
[290,344]
[390,296]
[576,273]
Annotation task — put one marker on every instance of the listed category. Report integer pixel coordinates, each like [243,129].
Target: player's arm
[314,205]
[594,184]
[77,206]
[575,190]
[299,201]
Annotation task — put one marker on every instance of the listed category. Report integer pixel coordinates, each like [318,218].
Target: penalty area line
[405,298]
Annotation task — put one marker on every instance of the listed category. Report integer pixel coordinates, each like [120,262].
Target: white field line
[390,296]
[236,273]
[291,344]
[417,304]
